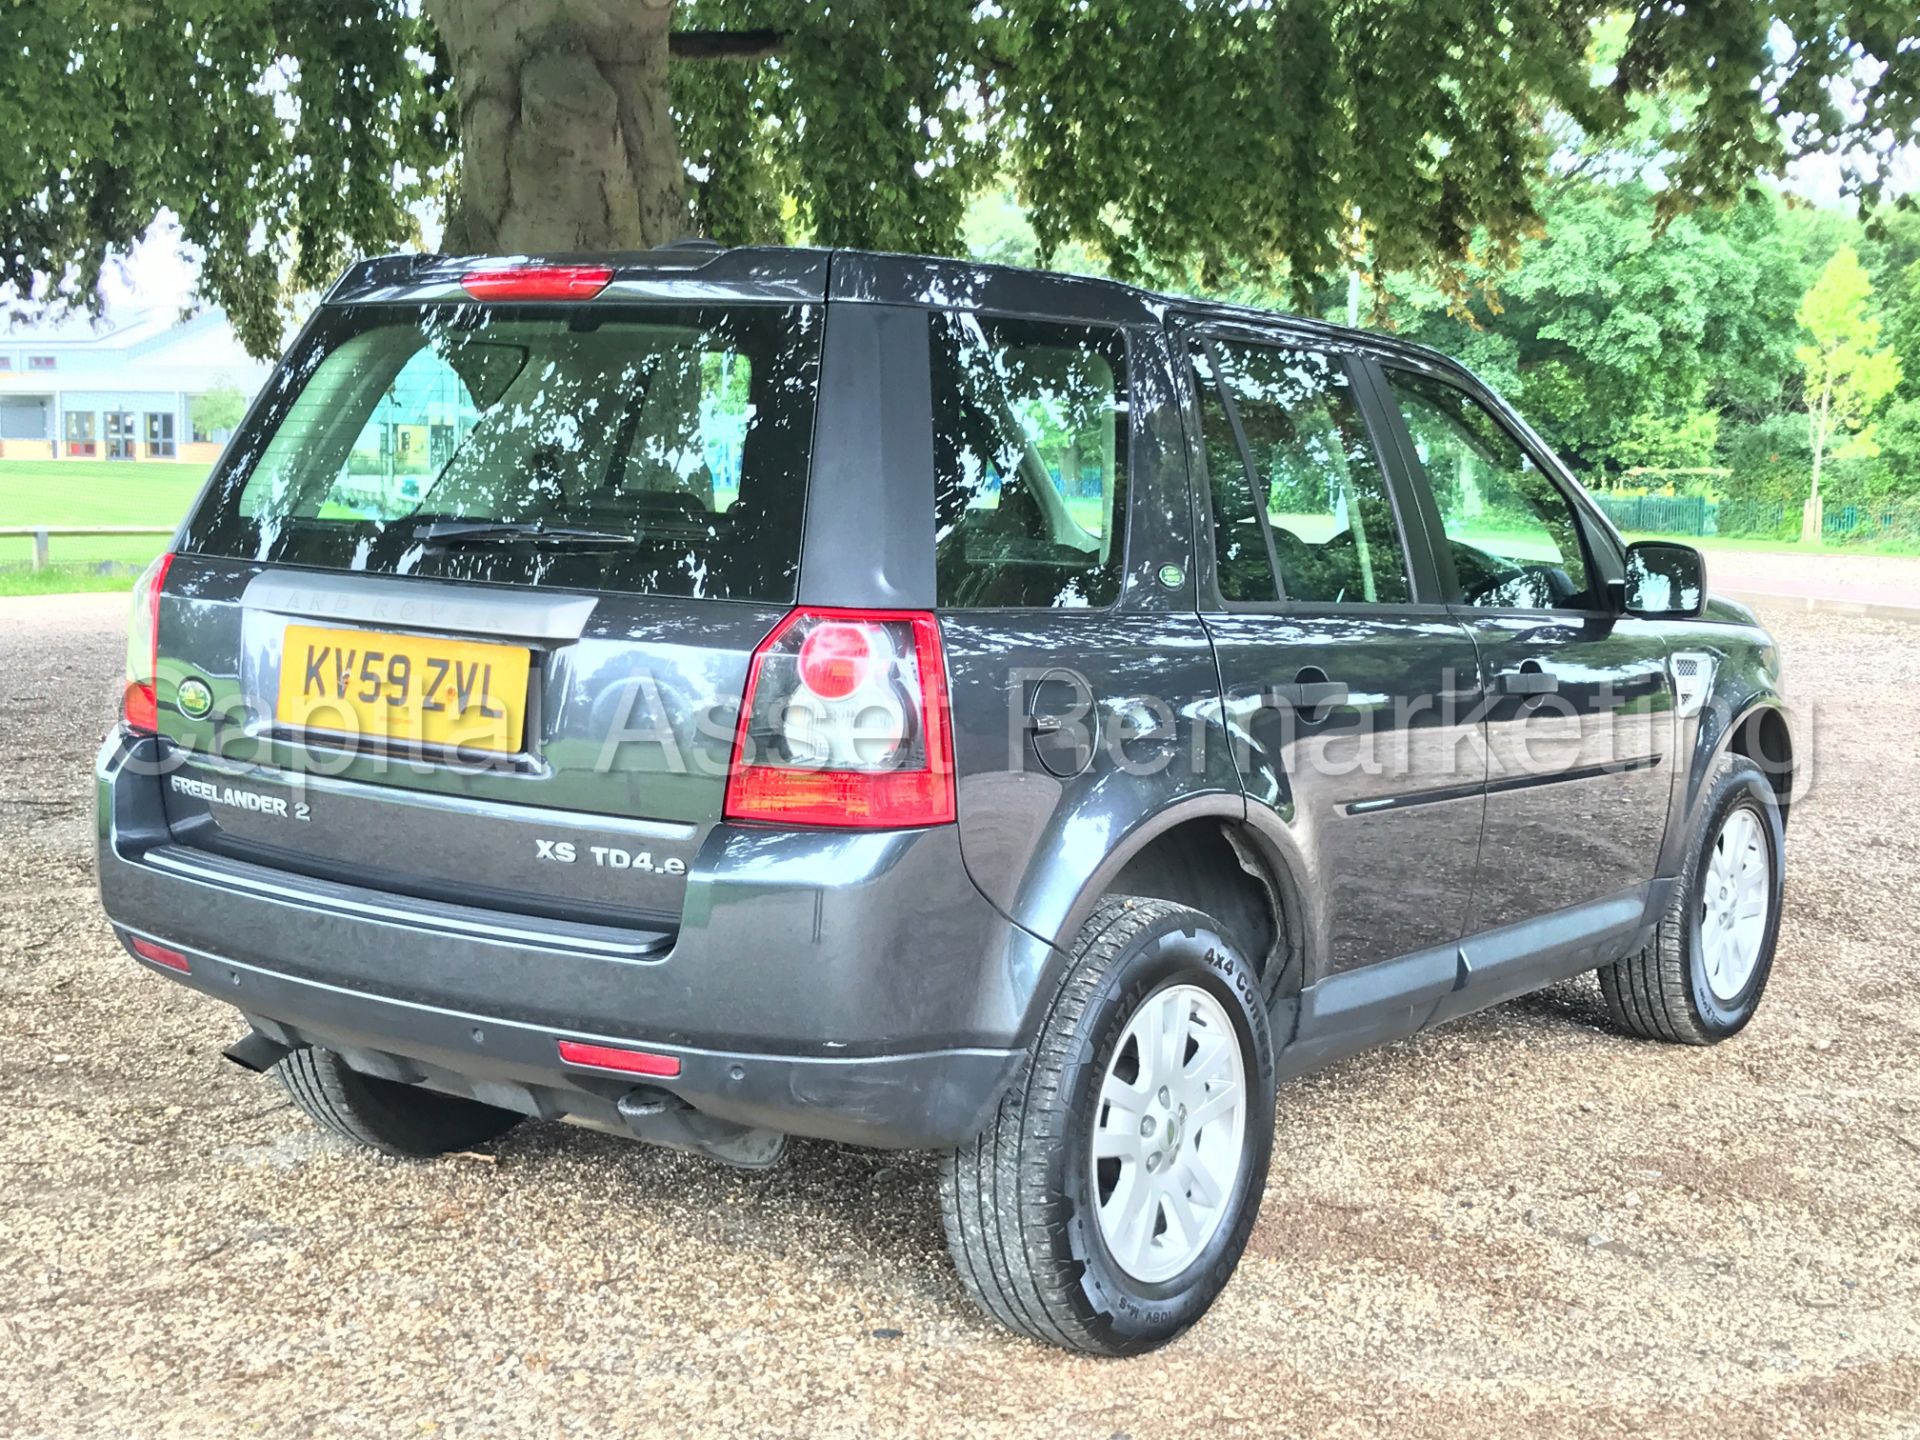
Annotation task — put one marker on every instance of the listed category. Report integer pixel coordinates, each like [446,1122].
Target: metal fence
[1894,522]
[99,550]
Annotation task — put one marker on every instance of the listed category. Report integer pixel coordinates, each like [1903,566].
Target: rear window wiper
[519,532]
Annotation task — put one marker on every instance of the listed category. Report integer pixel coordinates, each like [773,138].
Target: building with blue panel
[118,389]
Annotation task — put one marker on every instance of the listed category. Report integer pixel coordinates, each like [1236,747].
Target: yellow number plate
[408,688]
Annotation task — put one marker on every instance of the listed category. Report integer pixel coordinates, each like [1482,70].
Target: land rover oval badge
[195,699]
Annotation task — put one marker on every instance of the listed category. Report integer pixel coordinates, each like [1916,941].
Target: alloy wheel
[1170,1132]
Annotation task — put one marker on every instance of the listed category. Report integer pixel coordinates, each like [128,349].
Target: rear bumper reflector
[627,1062]
[160,955]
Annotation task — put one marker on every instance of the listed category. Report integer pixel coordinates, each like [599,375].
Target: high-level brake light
[537,282]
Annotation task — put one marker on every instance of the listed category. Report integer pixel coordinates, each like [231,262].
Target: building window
[6,362]
[81,439]
[159,435]
[40,362]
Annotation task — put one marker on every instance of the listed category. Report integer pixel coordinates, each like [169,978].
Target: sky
[156,273]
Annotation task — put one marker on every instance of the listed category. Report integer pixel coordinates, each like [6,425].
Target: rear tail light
[139,702]
[846,724]
[161,955]
[537,282]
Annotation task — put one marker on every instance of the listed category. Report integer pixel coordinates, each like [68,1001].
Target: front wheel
[1702,977]
[1109,1201]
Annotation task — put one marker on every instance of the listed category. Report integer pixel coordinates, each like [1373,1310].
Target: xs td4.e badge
[608,857]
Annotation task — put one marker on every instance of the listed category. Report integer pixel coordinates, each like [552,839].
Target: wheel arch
[1765,737]
[1210,855]
[1756,725]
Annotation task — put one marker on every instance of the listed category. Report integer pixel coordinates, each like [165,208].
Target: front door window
[1513,535]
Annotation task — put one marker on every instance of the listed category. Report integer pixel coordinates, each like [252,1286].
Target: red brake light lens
[537,282]
[614,1057]
[140,702]
[846,724]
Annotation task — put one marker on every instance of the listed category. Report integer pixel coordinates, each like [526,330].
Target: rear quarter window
[1030,462]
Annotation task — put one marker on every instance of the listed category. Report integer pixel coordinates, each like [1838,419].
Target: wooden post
[40,549]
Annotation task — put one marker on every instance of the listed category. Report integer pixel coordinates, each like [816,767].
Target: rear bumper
[846,987]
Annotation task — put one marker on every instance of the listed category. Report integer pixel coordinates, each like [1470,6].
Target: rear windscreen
[648,449]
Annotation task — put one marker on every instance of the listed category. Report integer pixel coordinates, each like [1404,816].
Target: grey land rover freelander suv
[719,695]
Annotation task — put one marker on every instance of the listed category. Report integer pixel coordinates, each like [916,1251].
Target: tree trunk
[566,138]
[1812,514]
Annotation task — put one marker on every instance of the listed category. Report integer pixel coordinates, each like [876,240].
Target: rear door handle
[1310,690]
[1309,696]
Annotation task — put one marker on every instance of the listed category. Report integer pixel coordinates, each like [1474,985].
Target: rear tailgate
[470,602]
[630,706]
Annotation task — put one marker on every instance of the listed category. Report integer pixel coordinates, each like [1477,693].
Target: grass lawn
[96,492]
[55,493]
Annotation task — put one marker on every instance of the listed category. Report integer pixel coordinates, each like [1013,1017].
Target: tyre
[1109,1200]
[384,1115]
[1702,977]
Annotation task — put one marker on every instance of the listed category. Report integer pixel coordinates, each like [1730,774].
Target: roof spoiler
[688,270]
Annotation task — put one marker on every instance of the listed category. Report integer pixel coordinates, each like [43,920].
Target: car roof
[693,271]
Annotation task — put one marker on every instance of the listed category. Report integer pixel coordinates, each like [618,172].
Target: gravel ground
[1518,1223]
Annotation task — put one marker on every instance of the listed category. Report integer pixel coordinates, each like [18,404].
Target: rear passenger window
[1030,462]
[1296,486]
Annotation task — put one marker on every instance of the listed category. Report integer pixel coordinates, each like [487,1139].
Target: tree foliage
[1903,328]
[1624,339]
[1278,139]
[1849,372]
[285,137]
[219,411]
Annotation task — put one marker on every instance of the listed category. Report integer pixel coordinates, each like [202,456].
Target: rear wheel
[1702,977]
[1109,1201]
[383,1115]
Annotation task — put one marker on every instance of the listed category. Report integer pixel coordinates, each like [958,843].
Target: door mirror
[1665,581]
